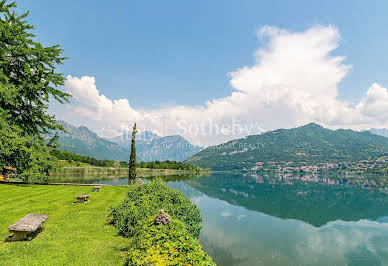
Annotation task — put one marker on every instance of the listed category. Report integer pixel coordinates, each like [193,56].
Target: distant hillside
[143,137]
[379,131]
[149,146]
[174,148]
[83,141]
[310,143]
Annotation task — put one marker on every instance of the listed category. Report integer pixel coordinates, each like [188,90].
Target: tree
[32,157]
[28,81]
[27,70]
[132,157]
[38,162]
[10,141]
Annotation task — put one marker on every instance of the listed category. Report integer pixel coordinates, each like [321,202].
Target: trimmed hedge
[168,244]
[144,200]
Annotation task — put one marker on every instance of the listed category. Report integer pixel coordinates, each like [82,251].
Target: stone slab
[29,223]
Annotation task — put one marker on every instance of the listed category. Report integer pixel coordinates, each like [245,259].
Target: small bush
[145,200]
[168,244]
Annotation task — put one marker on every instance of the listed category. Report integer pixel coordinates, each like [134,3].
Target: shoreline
[142,172]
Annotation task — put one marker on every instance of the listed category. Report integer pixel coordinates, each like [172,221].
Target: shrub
[168,244]
[145,200]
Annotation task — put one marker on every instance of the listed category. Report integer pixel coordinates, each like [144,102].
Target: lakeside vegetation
[117,179]
[175,243]
[171,165]
[69,159]
[74,159]
[144,170]
[141,172]
[89,170]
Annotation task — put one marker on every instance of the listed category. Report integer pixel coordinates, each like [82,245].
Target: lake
[278,220]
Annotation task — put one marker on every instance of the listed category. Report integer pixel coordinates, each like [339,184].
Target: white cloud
[375,103]
[293,81]
[96,106]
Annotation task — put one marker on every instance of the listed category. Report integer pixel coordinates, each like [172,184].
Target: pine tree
[28,82]
[132,158]
[28,77]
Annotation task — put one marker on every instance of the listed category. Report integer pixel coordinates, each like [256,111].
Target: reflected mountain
[312,202]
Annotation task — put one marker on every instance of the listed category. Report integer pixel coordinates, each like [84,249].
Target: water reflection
[235,236]
[289,222]
[315,203]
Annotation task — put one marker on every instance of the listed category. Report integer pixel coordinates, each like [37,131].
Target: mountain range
[311,143]
[149,146]
[379,131]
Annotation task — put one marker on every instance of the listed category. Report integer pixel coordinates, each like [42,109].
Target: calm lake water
[256,220]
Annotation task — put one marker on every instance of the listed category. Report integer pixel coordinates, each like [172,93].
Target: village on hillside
[379,166]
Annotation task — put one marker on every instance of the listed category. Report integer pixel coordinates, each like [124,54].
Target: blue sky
[165,53]
[160,52]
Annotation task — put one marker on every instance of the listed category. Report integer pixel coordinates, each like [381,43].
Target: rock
[162,218]
[28,224]
[82,198]
[140,181]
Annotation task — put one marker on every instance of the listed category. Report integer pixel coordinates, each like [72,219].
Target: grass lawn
[75,234]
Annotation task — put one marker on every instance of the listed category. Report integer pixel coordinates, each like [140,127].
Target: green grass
[75,234]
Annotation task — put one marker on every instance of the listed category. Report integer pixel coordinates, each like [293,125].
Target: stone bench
[82,198]
[28,224]
[96,189]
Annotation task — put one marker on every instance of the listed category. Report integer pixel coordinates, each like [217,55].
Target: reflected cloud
[328,225]
[226,214]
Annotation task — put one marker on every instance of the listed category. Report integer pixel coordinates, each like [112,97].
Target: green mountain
[149,147]
[310,143]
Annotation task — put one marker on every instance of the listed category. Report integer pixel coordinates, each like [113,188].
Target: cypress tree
[132,158]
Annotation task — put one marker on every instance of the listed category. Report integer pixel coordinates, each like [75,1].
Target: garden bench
[96,189]
[82,198]
[26,225]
